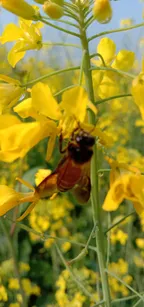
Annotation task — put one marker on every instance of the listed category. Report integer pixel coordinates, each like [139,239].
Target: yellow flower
[138,92]
[43,105]
[27,37]
[19,8]
[126,186]
[66,246]
[13,283]
[3,294]
[10,92]
[126,22]
[9,198]
[140,243]
[108,83]
[14,305]
[24,267]
[102,11]
[19,138]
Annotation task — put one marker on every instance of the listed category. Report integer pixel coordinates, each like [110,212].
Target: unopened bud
[59,2]
[102,11]
[53,10]
[19,8]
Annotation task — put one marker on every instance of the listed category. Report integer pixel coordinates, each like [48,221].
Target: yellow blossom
[108,82]
[124,60]
[140,243]
[102,11]
[126,186]
[66,246]
[20,8]
[9,198]
[24,267]
[126,22]
[27,37]
[43,105]
[138,92]
[3,294]
[14,305]
[13,283]
[18,139]
[10,92]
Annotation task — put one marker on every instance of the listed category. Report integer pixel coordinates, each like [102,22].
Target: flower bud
[59,2]
[53,10]
[102,11]
[19,8]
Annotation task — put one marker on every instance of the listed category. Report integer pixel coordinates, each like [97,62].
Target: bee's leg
[61,149]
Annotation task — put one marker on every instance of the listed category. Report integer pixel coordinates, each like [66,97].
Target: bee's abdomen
[68,177]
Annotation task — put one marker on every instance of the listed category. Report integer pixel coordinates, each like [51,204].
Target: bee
[73,171]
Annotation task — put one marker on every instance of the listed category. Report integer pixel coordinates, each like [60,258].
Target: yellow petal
[25,109]
[138,92]
[17,140]
[7,120]
[19,8]
[114,196]
[11,33]
[138,207]
[107,49]
[109,86]
[9,95]
[124,60]
[8,199]
[51,144]
[9,80]
[74,103]
[14,56]
[41,175]
[43,101]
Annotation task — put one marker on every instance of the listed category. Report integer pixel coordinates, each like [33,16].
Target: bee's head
[83,138]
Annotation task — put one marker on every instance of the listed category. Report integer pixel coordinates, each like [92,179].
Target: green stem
[120,300]
[82,68]
[112,97]
[65,88]
[100,56]
[116,30]
[94,168]
[118,71]
[45,236]
[75,278]
[13,254]
[59,28]
[125,284]
[119,222]
[54,73]
[89,22]
[61,21]
[61,44]
[137,303]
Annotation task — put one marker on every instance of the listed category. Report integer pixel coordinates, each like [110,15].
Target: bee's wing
[49,185]
[82,189]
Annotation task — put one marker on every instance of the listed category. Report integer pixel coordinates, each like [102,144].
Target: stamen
[27,184]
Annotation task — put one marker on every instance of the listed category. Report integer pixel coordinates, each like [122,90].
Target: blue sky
[122,9]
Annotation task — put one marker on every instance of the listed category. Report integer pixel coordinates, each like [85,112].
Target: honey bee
[73,171]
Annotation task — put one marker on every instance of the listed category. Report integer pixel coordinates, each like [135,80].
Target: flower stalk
[94,167]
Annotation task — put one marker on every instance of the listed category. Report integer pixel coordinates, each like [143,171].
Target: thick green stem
[94,168]
[13,254]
